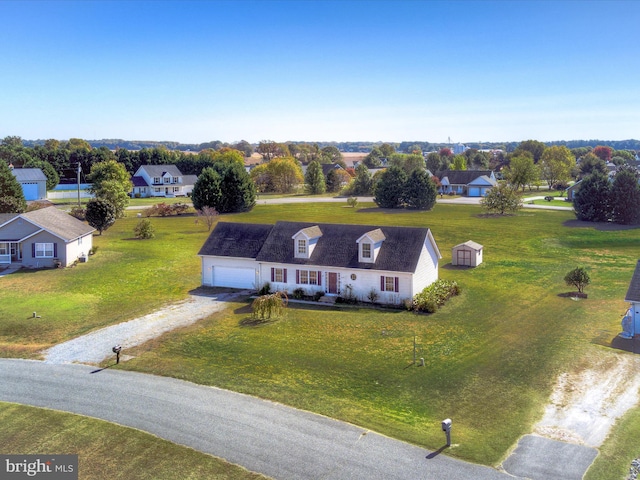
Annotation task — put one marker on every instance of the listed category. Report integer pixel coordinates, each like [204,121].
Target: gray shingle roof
[59,223]
[160,170]
[243,240]
[633,294]
[463,177]
[470,244]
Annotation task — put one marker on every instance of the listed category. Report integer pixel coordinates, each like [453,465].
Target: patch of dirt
[585,404]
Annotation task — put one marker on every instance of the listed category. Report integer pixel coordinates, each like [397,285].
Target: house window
[279,275]
[302,247]
[156,179]
[79,241]
[167,180]
[176,189]
[366,250]
[389,284]
[308,277]
[44,250]
[4,249]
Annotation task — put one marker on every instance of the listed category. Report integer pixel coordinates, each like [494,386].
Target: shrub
[352,202]
[78,212]
[265,290]
[373,295]
[318,295]
[298,293]
[144,230]
[435,296]
[267,305]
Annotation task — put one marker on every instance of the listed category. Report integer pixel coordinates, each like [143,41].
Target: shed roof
[29,175]
[462,177]
[471,244]
[633,294]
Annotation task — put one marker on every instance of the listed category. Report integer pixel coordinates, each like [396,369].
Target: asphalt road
[265,437]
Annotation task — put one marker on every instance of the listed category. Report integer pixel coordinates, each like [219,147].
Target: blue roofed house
[394,263]
[33,182]
[43,238]
[471,183]
[161,181]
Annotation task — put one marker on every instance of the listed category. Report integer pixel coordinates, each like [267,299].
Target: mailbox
[446,425]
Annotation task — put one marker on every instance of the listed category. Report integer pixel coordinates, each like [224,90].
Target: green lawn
[105,450]
[491,355]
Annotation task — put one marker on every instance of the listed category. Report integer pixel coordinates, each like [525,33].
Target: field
[491,355]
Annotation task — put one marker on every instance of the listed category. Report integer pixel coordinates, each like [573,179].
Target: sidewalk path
[262,436]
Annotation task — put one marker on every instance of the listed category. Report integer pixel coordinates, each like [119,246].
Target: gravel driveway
[96,346]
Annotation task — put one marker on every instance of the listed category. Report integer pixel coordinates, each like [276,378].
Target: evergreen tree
[625,197]
[226,187]
[314,179]
[591,202]
[206,191]
[420,191]
[362,183]
[390,188]
[52,176]
[100,214]
[11,194]
[332,181]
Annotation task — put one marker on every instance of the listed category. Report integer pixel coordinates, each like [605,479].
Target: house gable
[633,293]
[369,246]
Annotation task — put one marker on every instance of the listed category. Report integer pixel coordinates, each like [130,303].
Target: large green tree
[52,176]
[389,190]
[521,171]
[556,164]
[502,200]
[362,183]
[111,181]
[625,197]
[226,187]
[534,147]
[314,179]
[11,194]
[100,214]
[420,191]
[592,199]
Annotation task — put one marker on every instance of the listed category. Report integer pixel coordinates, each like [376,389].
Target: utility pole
[79,169]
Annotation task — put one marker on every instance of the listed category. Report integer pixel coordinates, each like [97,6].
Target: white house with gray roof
[395,263]
[43,238]
[161,181]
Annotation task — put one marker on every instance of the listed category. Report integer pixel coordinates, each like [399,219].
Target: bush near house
[435,296]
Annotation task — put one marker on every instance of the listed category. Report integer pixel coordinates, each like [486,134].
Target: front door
[16,252]
[332,282]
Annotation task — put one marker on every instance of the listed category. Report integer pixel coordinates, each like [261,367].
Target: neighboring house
[472,183]
[43,238]
[394,263]
[33,182]
[467,254]
[161,181]
[571,191]
[631,321]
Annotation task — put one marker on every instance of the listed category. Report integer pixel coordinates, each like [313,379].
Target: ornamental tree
[100,214]
[502,199]
[578,277]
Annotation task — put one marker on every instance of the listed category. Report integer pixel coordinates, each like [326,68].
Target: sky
[320,70]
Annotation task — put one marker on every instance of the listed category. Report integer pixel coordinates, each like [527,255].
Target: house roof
[59,223]
[462,177]
[243,240]
[633,294]
[29,175]
[312,232]
[160,170]
[189,179]
[484,180]
[473,245]
[139,182]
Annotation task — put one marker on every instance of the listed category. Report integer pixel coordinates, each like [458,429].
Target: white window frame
[44,249]
[389,284]
[278,275]
[366,250]
[302,246]
[308,277]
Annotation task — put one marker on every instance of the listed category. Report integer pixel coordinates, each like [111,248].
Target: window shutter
[284,275]
[273,274]
[297,276]
[33,250]
[55,250]
[396,284]
[319,278]
[382,283]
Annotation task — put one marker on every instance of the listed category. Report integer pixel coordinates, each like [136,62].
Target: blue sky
[196,71]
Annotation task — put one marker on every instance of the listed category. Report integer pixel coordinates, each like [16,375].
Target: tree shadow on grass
[601,226]
[256,322]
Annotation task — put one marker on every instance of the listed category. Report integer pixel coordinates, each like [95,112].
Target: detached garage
[33,182]
[467,254]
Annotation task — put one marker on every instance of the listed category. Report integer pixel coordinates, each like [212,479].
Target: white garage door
[233,277]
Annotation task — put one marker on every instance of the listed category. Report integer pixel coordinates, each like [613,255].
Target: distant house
[471,183]
[161,181]
[33,182]
[394,263]
[43,238]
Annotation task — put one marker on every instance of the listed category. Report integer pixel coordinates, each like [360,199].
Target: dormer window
[302,246]
[366,250]
[156,179]
[369,246]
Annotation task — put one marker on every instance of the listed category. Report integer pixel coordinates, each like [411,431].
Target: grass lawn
[105,450]
[491,355]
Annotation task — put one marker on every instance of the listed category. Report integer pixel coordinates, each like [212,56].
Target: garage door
[30,191]
[474,191]
[233,277]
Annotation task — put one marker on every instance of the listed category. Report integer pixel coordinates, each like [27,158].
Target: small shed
[33,182]
[467,254]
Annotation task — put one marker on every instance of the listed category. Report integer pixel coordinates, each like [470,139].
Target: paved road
[263,436]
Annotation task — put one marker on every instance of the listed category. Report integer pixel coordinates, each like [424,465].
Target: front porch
[10,252]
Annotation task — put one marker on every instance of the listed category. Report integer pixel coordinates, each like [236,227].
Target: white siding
[76,249]
[427,269]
